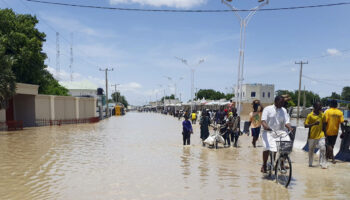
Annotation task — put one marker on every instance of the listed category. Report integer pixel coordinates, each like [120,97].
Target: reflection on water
[140,156]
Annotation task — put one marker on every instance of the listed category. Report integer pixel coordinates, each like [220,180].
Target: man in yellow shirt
[315,121]
[334,117]
[194,117]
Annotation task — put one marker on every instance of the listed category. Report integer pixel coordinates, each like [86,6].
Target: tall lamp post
[174,81]
[160,86]
[184,61]
[243,22]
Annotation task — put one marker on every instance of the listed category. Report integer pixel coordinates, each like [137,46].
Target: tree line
[118,98]
[22,57]
[211,94]
[311,97]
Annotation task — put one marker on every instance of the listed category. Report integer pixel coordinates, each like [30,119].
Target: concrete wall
[42,107]
[24,109]
[22,88]
[64,107]
[87,107]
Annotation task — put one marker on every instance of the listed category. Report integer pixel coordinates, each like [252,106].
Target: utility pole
[106,76]
[115,90]
[164,100]
[301,63]
[71,58]
[304,100]
[58,67]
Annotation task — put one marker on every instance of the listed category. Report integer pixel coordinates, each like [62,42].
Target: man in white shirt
[275,118]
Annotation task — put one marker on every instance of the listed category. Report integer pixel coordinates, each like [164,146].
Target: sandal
[263,169]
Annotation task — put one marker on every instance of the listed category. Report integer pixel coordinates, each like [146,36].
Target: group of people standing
[323,131]
[227,120]
[323,127]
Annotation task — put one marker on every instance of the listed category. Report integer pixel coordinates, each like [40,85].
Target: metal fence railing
[59,122]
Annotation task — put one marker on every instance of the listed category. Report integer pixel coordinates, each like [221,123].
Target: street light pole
[172,80]
[184,61]
[243,23]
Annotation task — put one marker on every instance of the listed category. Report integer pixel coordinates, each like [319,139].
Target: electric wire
[319,81]
[186,11]
[53,29]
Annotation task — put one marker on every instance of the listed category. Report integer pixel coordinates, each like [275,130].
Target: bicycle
[283,165]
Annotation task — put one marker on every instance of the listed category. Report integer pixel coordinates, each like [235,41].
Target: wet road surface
[140,156]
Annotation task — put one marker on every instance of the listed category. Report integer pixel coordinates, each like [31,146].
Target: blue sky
[141,47]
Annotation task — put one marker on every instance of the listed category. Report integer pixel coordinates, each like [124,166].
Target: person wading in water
[334,117]
[255,121]
[236,127]
[315,122]
[204,124]
[186,131]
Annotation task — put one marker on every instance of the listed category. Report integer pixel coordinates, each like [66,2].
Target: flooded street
[140,156]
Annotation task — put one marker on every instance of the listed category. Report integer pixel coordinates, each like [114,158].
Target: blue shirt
[187,127]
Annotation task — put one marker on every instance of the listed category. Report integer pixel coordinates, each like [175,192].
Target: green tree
[210,94]
[311,97]
[168,97]
[23,43]
[229,96]
[118,98]
[7,79]
[345,95]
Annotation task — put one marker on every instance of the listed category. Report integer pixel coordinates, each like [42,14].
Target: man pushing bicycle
[274,119]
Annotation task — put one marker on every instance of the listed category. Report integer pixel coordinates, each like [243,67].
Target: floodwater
[140,156]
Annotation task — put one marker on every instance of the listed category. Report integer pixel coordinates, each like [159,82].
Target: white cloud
[333,52]
[79,81]
[83,84]
[72,25]
[62,75]
[132,86]
[158,3]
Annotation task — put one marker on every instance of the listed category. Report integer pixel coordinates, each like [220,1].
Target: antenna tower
[71,58]
[58,55]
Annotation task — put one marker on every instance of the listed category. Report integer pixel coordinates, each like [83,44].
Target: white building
[263,92]
[83,92]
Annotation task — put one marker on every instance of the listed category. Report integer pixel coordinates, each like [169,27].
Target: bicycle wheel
[283,170]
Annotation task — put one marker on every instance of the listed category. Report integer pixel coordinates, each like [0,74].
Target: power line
[61,36]
[185,11]
[319,81]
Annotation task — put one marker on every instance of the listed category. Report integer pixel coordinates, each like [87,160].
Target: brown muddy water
[140,156]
